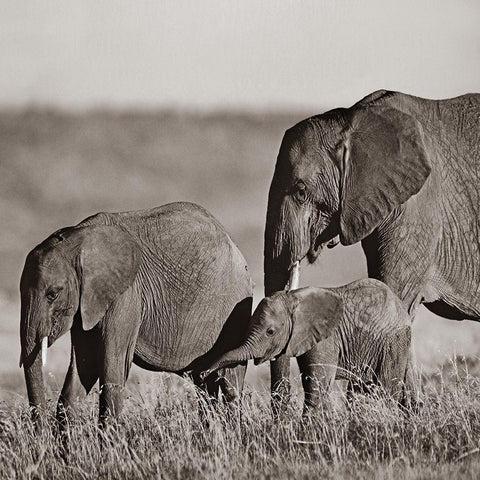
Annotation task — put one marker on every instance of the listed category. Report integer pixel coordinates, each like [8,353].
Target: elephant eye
[52,293]
[301,192]
[270,331]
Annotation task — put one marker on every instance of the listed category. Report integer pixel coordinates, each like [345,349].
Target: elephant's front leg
[318,367]
[396,367]
[119,334]
[411,389]
[280,384]
[82,373]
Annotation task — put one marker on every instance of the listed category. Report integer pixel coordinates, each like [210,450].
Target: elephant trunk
[237,355]
[276,263]
[34,343]
[34,381]
[286,242]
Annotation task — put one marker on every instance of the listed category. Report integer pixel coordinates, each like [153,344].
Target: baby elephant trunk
[233,357]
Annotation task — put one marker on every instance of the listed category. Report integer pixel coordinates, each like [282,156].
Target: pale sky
[243,54]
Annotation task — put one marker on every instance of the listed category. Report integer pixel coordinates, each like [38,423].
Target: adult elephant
[166,288]
[399,173]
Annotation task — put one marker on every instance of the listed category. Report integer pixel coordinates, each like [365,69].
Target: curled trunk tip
[235,356]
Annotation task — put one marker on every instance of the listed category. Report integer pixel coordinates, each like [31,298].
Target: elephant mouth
[318,246]
[259,360]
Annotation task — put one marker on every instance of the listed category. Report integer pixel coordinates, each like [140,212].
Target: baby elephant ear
[384,163]
[315,317]
[109,262]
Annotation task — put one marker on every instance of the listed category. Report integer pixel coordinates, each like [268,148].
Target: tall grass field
[57,168]
[165,433]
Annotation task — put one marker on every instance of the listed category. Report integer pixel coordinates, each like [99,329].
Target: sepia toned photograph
[240,239]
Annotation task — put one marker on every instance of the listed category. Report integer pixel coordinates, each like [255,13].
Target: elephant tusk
[44,350]
[333,242]
[20,362]
[294,280]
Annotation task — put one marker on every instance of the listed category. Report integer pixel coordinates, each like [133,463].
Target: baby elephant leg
[318,367]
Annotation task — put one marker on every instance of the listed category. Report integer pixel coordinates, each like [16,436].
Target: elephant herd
[167,289]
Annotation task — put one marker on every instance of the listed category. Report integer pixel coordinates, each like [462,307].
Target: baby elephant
[360,332]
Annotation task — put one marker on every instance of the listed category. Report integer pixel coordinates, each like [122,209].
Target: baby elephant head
[286,322]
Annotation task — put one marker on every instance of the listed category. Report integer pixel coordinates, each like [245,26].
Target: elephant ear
[315,316]
[109,262]
[384,163]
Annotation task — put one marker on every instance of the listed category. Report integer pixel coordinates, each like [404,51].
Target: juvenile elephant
[398,173]
[165,288]
[362,331]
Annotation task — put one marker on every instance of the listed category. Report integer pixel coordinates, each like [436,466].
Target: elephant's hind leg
[207,395]
[82,373]
[231,382]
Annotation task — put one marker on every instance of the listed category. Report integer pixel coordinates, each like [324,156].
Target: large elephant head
[340,173]
[287,322]
[74,270]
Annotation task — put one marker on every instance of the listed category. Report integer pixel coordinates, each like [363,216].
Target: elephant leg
[394,366]
[82,373]
[119,335]
[318,367]
[231,384]
[207,395]
[232,381]
[280,384]
[207,390]
[411,387]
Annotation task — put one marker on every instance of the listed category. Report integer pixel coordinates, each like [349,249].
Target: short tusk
[44,350]
[20,362]
[294,281]
[333,242]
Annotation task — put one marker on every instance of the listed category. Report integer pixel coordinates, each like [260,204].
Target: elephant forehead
[303,146]
[273,306]
[38,265]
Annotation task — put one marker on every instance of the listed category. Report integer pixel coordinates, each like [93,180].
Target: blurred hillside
[56,168]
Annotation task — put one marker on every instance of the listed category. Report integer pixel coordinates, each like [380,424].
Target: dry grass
[161,435]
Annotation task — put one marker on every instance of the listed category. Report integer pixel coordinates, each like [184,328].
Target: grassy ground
[160,435]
